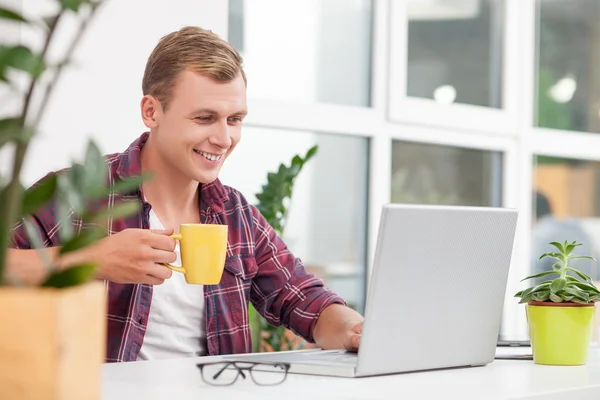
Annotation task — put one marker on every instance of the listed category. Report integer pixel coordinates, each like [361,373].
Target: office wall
[99,95]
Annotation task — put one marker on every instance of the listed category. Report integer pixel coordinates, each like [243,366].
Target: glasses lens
[219,373]
[268,374]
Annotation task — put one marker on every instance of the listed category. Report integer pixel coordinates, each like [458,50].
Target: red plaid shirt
[258,268]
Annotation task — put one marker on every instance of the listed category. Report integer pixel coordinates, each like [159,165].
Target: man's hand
[338,327]
[134,256]
[354,334]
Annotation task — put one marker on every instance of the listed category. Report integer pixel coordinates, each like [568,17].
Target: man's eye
[204,118]
[235,120]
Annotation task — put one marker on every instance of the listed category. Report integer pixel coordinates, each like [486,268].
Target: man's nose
[220,136]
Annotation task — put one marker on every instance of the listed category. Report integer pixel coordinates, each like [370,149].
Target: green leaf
[85,238]
[587,257]
[565,296]
[120,210]
[581,275]
[297,160]
[39,194]
[577,293]
[584,286]
[38,243]
[541,274]
[72,5]
[63,213]
[11,15]
[96,171]
[71,276]
[557,285]
[555,298]
[552,255]
[311,152]
[541,296]
[21,58]
[570,247]
[68,191]
[527,292]
[9,130]
[559,246]
[557,266]
[580,301]
[129,185]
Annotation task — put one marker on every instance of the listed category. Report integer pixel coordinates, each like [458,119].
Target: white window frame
[394,116]
[405,109]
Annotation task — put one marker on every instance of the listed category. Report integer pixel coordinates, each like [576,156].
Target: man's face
[201,126]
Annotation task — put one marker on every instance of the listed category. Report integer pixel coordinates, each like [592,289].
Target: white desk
[503,379]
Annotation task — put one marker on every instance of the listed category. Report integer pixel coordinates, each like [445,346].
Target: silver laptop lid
[436,293]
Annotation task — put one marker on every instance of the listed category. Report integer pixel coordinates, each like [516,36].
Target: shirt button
[141,321]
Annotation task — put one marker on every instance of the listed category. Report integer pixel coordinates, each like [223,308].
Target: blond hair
[194,49]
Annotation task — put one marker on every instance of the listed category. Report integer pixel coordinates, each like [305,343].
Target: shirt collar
[214,194]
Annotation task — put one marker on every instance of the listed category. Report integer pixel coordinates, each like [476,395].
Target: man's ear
[151,111]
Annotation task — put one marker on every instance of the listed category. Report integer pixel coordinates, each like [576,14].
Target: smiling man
[194,102]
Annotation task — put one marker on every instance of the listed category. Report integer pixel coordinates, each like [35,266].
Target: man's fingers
[152,280]
[162,231]
[162,242]
[162,256]
[357,328]
[355,341]
[159,271]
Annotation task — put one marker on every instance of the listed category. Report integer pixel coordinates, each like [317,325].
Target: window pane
[566,206]
[567,76]
[433,174]
[327,221]
[307,51]
[455,51]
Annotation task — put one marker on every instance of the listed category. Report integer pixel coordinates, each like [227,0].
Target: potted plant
[52,335]
[560,311]
[272,202]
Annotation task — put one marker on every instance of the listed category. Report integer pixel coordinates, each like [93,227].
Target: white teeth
[208,156]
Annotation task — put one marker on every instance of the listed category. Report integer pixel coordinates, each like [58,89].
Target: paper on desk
[514,353]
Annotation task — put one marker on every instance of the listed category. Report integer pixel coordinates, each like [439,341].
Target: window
[308,51]
[433,174]
[566,206]
[455,64]
[327,224]
[455,51]
[568,83]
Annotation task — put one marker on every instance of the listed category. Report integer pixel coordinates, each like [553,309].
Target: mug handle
[176,236]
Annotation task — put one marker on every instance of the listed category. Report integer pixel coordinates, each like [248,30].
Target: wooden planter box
[52,342]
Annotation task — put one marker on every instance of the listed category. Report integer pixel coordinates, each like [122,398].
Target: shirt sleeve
[282,291]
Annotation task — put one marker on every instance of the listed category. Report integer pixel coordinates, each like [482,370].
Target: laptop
[435,297]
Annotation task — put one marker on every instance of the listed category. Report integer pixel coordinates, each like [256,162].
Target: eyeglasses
[226,373]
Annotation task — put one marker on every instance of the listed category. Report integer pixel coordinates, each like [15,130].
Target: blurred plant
[72,189]
[272,205]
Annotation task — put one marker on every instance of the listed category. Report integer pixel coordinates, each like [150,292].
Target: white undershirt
[176,326]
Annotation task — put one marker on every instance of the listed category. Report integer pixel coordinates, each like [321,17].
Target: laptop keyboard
[346,358]
[327,357]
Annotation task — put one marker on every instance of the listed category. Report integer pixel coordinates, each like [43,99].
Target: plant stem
[563,269]
[12,196]
[83,26]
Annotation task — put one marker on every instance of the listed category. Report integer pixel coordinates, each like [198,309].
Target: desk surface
[503,379]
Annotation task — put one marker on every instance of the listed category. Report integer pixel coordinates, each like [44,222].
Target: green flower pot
[560,333]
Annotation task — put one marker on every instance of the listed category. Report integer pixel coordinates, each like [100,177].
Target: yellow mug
[203,248]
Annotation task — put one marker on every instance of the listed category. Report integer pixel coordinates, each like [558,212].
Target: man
[193,105]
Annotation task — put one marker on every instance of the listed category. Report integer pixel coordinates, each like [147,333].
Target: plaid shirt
[258,268]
